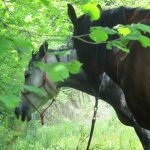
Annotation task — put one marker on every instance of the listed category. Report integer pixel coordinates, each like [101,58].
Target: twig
[94,43]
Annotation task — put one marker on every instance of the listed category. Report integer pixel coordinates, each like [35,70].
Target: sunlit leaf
[123,30]
[105,29]
[98,35]
[56,71]
[74,66]
[28,18]
[92,10]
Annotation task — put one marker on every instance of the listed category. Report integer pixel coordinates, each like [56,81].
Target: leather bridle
[45,82]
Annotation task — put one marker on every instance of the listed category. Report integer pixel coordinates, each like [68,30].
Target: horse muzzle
[23,114]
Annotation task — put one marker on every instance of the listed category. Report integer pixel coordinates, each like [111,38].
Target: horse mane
[111,17]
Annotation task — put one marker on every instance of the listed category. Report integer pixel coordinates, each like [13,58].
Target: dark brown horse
[109,92]
[131,72]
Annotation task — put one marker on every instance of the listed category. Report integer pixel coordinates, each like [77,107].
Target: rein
[93,122]
[45,81]
[96,90]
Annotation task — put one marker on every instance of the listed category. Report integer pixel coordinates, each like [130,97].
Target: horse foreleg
[144,136]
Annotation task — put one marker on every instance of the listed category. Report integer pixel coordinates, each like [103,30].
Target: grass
[69,130]
[109,134]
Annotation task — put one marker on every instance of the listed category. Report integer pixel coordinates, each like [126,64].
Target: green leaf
[123,30]
[109,31]
[35,90]
[133,36]
[92,10]
[98,35]
[63,53]
[142,27]
[56,71]
[74,66]
[105,29]
[4,44]
[117,44]
[11,101]
[22,44]
[145,41]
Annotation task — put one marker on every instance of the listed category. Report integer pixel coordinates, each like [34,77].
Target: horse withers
[130,71]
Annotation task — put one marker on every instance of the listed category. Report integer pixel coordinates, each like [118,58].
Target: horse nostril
[17,112]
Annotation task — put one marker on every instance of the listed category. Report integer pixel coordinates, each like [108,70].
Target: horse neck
[76,81]
[79,82]
[109,65]
[102,60]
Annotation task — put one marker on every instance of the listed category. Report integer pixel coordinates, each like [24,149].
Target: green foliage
[11,101]
[35,90]
[74,66]
[133,32]
[98,35]
[69,135]
[4,44]
[122,30]
[107,30]
[22,44]
[56,71]
[142,27]
[145,41]
[24,25]
[126,33]
[119,44]
[59,71]
[92,10]
[63,53]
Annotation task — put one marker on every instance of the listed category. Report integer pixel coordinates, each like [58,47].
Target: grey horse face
[35,77]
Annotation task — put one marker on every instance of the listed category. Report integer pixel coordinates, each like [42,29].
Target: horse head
[81,30]
[35,77]
[86,52]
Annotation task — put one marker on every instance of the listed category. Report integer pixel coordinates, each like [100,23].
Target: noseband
[45,82]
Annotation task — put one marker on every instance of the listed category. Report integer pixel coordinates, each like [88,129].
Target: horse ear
[43,49]
[72,14]
[99,6]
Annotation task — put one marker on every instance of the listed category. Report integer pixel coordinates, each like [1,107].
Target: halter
[45,82]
